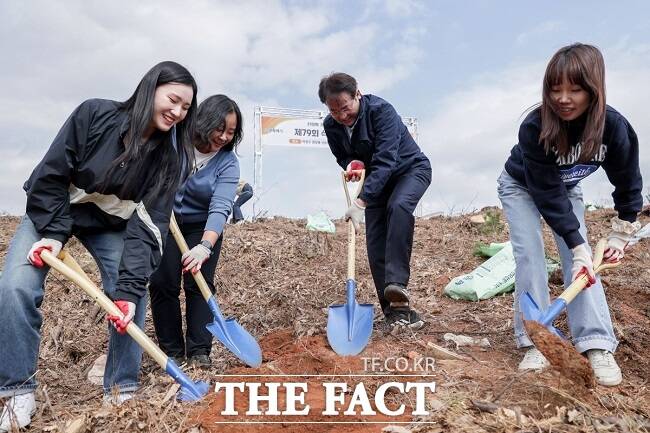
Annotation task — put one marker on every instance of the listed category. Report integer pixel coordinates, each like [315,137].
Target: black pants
[389,228]
[165,289]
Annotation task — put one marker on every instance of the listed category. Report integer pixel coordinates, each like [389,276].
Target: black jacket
[548,176]
[379,139]
[63,197]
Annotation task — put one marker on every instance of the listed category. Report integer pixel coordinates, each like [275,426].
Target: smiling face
[223,135]
[344,107]
[569,100]
[170,105]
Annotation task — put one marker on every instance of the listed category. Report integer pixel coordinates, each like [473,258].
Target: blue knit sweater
[208,194]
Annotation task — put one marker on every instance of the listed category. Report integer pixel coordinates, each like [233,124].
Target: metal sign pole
[257,158]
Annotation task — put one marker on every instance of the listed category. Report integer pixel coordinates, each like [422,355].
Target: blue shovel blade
[531,311]
[349,329]
[195,393]
[529,308]
[189,390]
[241,343]
[234,336]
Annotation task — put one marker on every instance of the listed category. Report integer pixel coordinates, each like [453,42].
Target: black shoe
[178,360]
[200,361]
[397,293]
[403,318]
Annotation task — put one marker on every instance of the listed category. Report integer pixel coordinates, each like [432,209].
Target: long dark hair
[212,117]
[137,154]
[583,65]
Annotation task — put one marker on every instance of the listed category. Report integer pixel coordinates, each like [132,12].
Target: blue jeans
[246,194]
[588,314]
[21,295]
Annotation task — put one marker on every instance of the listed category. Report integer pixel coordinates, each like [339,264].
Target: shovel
[531,310]
[549,340]
[236,339]
[66,265]
[349,326]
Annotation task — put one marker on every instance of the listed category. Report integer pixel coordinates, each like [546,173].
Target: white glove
[34,255]
[621,234]
[582,260]
[194,258]
[355,213]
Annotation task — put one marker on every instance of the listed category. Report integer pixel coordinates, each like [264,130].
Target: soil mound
[278,280]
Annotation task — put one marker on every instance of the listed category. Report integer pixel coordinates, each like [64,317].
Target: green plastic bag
[485,250]
[495,276]
[320,223]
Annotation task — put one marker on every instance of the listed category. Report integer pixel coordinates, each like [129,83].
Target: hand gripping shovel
[549,340]
[349,325]
[531,310]
[66,265]
[228,331]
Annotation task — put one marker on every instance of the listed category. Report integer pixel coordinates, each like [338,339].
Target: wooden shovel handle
[351,233]
[580,283]
[359,186]
[601,246]
[182,245]
[70,269]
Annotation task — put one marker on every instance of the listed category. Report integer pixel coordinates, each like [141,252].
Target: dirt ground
[278,279]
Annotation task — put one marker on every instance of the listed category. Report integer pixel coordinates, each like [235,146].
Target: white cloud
[404,7]
[539,31]
[395,8]
[56,57]
[248,46]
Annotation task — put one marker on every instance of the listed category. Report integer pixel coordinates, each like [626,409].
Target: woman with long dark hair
[201,207]
[108,179]
[561,142]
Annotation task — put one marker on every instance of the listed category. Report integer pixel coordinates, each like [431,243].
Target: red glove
[128,310]
[353,171]
[34,255]
[590,279]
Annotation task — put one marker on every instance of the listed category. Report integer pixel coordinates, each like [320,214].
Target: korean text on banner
[293,131]
[279,130]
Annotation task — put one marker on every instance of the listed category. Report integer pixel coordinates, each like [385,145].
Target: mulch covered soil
[278,280]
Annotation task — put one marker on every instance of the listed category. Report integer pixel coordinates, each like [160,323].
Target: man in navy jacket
[364,131]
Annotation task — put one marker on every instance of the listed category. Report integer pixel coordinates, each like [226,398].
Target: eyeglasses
[345,109]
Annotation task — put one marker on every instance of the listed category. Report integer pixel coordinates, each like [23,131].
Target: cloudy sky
[466,69]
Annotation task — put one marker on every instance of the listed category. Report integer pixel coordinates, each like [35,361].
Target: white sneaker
[605,367]
[533,360]
[17,412]
[118,399]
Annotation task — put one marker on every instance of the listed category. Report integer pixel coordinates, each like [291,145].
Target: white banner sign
[278,130]
[292,131]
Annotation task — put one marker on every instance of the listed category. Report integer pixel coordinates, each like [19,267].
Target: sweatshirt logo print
[575,174]
[574,154]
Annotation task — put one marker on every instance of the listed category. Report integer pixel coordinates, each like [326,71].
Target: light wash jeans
[21,295]
[588,314]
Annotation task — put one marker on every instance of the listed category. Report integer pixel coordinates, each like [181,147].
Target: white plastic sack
[320,223]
